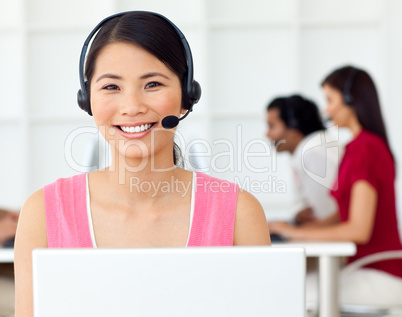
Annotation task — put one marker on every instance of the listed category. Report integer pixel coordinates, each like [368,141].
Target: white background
[245,53]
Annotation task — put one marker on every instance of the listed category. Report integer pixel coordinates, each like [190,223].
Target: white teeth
[138,128]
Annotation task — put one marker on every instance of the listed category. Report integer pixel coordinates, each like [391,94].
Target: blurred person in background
[8,227]
[365,193]
[295,126]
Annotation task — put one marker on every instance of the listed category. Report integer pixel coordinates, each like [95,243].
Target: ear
[183,110]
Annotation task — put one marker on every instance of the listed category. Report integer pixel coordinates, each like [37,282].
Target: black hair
[299,113]
[148,31]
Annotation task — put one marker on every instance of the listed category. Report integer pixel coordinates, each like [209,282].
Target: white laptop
[198,281]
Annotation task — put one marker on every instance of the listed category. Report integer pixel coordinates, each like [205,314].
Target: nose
[132,103]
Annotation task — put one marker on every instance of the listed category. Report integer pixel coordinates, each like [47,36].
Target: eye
[110,87]
[153,84]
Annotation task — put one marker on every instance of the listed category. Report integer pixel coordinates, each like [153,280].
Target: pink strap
[214,212]
[66,213]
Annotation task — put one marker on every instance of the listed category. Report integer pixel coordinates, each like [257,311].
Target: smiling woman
[138,73]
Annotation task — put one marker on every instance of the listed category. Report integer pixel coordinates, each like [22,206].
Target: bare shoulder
[31,234]
[251,227]
[34,209]
[31,230]
[35,199]
[245,198]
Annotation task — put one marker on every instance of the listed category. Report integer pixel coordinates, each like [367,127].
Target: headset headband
[347,89]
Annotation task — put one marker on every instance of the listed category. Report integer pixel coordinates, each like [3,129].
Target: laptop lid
[202,281]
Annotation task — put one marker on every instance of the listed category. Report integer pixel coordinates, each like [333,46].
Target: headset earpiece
[348,99]
[293,123]
[83,101]
[193,95]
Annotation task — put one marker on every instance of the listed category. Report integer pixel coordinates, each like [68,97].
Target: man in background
[295,126]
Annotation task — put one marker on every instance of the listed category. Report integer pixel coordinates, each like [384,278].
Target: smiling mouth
[137,129]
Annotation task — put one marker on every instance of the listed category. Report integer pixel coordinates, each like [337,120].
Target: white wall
[245,53]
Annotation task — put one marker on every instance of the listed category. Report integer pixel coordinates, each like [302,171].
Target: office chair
[370,310]
[358,310]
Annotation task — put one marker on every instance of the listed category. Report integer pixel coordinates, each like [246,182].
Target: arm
[31,233]
[357,228]
[284,228]
[251,226]
[330,220]
[305,216]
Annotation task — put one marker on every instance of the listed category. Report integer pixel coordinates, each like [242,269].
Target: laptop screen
[202,281]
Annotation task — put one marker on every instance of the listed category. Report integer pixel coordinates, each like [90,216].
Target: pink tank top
[67,219]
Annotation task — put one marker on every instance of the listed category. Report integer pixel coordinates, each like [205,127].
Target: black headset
[191,91]
[290,113]
[347,89]
[289,108]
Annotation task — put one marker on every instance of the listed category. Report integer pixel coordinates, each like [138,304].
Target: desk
[6,255]
[329,254]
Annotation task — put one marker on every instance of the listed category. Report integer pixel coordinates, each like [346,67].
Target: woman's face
[277,132]
[131,92]
[337,110]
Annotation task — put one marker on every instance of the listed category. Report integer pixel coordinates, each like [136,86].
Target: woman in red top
[365,190]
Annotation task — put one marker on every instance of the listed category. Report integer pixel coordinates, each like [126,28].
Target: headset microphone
[327,119]
[171,122]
